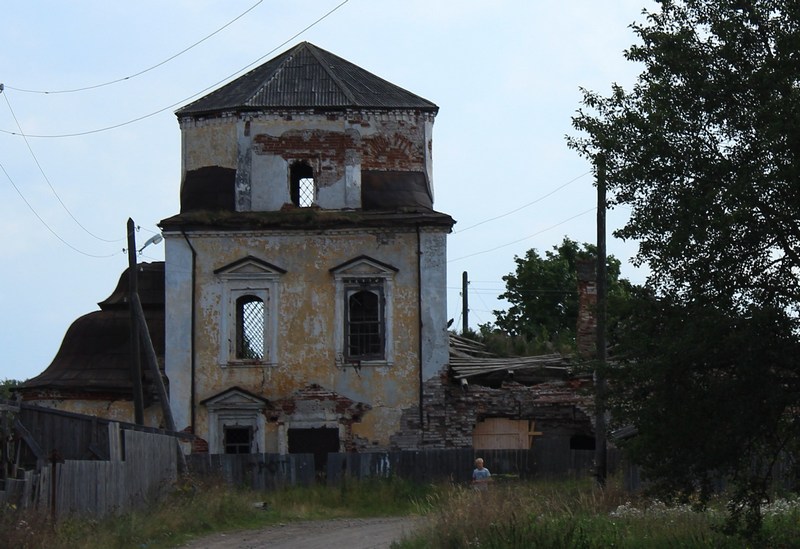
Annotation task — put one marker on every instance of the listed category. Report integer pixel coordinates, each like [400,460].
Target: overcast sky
[505,75]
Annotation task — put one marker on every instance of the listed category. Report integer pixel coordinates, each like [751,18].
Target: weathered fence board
[456,465]
[97,488]
[101,487]
[257,471]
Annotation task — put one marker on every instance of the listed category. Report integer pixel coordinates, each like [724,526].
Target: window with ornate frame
[364,323]
[364,312]
[248,317]
[236,422]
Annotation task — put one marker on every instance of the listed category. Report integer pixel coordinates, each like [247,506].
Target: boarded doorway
[497,433]
[319,442]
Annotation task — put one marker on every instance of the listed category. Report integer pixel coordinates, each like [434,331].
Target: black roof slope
[307,77]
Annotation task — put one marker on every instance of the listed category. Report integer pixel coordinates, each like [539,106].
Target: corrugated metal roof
[307,77]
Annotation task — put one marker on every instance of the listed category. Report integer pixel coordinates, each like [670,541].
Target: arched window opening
[302,189]
[364,326]
[249,328]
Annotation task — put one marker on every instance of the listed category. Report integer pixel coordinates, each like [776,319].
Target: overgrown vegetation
[573,515]
[197,509]
[553,514]
[7,386]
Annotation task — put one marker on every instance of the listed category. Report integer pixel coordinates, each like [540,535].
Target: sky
[103,144]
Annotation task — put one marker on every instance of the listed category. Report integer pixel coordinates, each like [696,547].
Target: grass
[197,509]
[512,514]
[579,515]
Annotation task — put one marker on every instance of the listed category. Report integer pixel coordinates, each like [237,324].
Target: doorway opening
[320,442]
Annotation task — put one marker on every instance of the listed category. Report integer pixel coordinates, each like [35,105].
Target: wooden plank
[29,439]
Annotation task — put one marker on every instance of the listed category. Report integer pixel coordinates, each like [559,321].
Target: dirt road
[377,533]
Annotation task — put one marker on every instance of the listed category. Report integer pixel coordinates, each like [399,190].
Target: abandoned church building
[301,306]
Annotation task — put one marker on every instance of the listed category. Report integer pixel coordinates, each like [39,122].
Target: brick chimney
[586,330]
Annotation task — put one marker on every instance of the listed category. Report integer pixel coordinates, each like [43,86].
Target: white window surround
[235,408]
[249,276]
[345,277]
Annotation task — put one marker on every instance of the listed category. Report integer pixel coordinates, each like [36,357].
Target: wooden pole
[152,361]
[135,359]
[464,304]
[600,381]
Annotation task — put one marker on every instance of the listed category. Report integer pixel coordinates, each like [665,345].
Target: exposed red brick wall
[451,412]
[398,147]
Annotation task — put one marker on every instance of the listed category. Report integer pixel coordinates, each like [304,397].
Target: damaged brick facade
[450,412]
[347,284]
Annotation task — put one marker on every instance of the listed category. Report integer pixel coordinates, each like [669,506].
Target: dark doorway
[581,442]
[319,442]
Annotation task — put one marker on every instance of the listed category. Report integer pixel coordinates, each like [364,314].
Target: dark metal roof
[307,77]
[95,353]
[150,286]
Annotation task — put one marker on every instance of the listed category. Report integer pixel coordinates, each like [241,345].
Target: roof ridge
[344,88]
[307,76]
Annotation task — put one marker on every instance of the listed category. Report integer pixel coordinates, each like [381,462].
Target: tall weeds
[578,514]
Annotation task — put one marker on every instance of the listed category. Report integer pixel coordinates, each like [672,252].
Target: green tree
[704,150]
[543,293]
[6,386]
[712,392]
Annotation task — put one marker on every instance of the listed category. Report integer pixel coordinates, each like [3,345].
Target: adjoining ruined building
[305,273]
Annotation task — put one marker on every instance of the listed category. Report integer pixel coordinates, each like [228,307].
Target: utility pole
[599,374]
[464,304]
[136,364]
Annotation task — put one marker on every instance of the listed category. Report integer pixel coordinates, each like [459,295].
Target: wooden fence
[269,471]
[257,471]
[141,468]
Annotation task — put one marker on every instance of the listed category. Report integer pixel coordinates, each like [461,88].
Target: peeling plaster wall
[178,281]
[433,280]
[305,323]
[262,146]
[208,142]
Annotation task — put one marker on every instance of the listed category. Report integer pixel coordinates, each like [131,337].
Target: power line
[167,60]
[43,222]
[185,100]
[523,238]
[47,179]
[524,205]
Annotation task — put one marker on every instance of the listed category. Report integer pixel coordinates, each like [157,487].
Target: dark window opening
[238,440]
[249,328]
[320,442]
[302,190]
[364,330]
[581,442]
